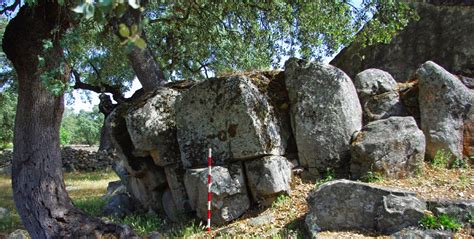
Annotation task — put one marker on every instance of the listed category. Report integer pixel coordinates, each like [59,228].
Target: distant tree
[185,37]
[8,100]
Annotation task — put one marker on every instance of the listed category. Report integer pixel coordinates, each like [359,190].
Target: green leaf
[123,30]
[140,43]
[134,29]
[134,4]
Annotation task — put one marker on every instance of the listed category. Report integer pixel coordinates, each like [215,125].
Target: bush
[442,222]
[371,177]
[441,159]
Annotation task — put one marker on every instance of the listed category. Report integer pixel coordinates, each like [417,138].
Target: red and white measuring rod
[209,196]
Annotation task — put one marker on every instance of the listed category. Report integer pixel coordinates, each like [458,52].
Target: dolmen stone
[268,177]
[325,112]
[393,147]
[446,108]
[348,205]
[228,190]
[461,210]
[378,94]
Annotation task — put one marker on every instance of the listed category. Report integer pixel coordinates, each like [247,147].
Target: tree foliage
[8,98]
[82,127]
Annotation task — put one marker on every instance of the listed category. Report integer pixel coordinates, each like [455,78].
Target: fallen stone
[119,205]
[347,205]
[378,94]
[231,116]
[461,210]
[416,233]
[393,147]
[114,188]
[325,112]
[261,220]
[170,208]
[152,126]
[268,177]
[229,193]
[445,103]
[175,178]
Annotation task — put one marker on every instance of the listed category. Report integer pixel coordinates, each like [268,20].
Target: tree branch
[115,91]
[10,8]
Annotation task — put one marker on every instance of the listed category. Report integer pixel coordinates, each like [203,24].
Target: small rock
[378,95]
[415,233]
[19,234]
[458,209]
[268,177]
[261,220]
[119,205]
[155,235]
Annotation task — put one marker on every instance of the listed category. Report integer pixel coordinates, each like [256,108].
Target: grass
[441,222]
[328,176]
[441,159]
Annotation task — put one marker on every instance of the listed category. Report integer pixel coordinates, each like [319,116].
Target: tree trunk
[38,187]
[142,60]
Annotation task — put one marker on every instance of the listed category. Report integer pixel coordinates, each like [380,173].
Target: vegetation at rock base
[442,222]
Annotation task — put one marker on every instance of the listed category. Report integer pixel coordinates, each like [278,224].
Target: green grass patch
[92,205]
[142,224]
[328,176]
[441,159]
[281,199]
[441,222]
[372,177]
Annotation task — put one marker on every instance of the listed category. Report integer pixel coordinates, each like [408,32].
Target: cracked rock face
[325,112]
[268,177]
[229,192]
[348,205]
[378,94]
[229,115]
[393,147]
[446,108]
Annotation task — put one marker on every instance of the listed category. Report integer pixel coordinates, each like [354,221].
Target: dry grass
[287,212]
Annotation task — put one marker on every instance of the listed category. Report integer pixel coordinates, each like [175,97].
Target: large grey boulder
[443,34]
[445,103]
[325,112]
[348,205]
[268,177]
[393,147]
[378,94]
[228,190]
[229,115]
[461,210]
[152,126]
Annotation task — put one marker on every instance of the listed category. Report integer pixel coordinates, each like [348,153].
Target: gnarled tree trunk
[38,187]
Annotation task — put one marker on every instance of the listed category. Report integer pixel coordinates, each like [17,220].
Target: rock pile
[255,122]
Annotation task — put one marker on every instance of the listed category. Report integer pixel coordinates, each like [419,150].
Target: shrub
[371,177]
[328,176]
[441,159]
[442,222]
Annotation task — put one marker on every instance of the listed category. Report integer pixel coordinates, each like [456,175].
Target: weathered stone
[175,178]
[169,205]
[119,205]
[467,81]
[443,34]
[19,234]
[325,112]
[148,186]
[261,220]
[416,233]
[393,147]
[459,209]
[229,193]
[468,135]
[268,177]
[114,188]
[445,103]
[229,115]
[378,94]
[347,205]
[152,127]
